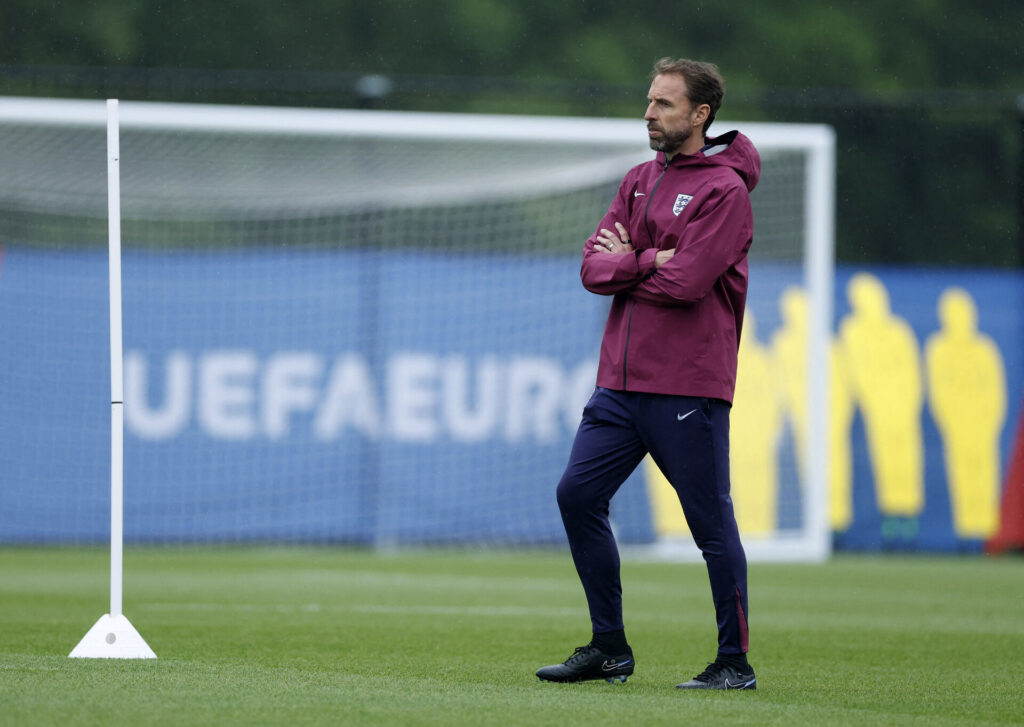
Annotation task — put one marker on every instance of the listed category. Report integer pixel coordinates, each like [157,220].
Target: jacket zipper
[650,199]
[632,305]
[625,354]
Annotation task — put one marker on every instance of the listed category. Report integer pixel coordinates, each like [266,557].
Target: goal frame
[813,544]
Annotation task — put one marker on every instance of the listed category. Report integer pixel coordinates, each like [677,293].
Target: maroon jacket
[676,329]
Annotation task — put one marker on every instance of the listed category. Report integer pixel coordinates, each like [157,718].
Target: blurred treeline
[922,93]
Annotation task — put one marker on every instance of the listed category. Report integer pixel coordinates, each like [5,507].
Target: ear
[700,114]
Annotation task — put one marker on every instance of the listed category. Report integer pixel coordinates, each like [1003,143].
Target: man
[672,250]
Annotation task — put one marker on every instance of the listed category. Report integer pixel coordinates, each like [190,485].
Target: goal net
[366,327]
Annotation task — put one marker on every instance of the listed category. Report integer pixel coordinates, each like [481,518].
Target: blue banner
[373,397]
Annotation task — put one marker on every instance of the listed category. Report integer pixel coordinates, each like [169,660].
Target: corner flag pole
[116,372]
[113,636]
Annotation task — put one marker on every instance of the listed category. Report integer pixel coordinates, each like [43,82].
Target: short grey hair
[704,82]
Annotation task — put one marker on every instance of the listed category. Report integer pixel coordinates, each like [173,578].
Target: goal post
[809,539]
[368,327]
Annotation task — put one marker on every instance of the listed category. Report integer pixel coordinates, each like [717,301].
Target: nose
[649,113]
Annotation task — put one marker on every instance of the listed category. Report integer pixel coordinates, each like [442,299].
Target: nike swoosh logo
[639,194]
[738,685]
[609,665]
[680,417]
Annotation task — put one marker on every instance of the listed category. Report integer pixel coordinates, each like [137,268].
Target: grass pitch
[303,636]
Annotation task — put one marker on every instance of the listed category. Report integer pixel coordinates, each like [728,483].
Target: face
[671,118]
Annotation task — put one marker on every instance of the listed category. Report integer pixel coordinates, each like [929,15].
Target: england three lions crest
[681,202]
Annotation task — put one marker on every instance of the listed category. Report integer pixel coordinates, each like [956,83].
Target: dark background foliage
[923,93]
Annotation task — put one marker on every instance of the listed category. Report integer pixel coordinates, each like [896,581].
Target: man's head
[684,97]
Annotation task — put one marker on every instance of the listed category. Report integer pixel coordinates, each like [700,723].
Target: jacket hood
[732,149]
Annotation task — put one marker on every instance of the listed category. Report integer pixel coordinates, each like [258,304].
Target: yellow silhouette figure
[754,424]
[789,347]
[840,457]
[967,396]
[884,369]
[754,432]
[666,512]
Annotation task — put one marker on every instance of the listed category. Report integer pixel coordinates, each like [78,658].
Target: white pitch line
[489,611]
[471,610]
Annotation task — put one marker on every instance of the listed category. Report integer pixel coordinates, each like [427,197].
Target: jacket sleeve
[713,241]
[607,274]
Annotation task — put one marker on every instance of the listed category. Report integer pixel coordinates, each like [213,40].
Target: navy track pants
[688,438]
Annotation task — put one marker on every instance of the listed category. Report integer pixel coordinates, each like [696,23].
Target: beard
[670,141]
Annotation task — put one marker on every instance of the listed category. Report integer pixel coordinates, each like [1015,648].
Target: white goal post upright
[819,252]
[812,542]
[113,636]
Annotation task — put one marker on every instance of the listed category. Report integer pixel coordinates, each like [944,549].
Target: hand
[608,241]
[662,257]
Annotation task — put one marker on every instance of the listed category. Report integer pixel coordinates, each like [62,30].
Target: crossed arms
[687,258]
